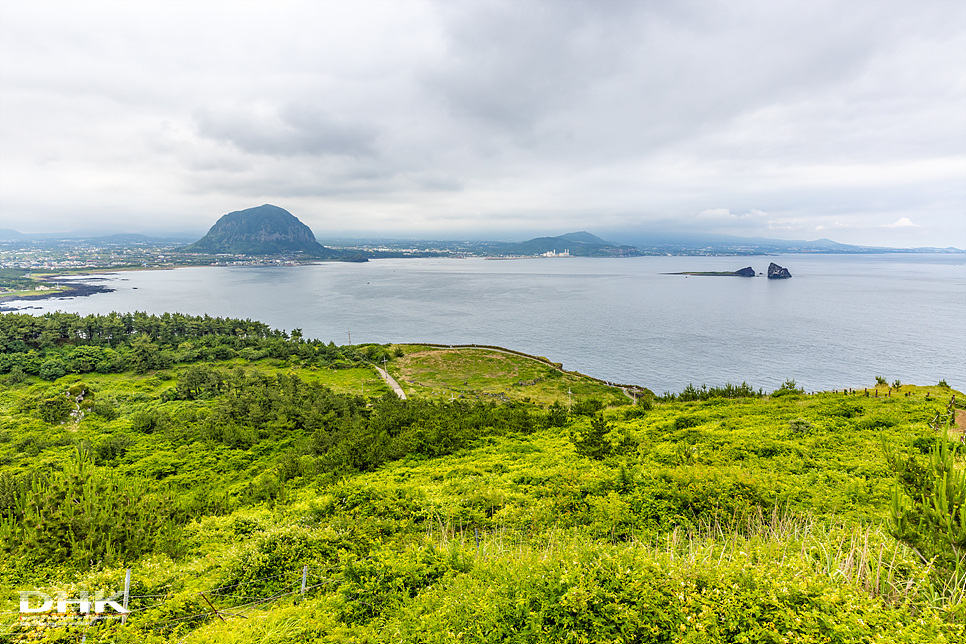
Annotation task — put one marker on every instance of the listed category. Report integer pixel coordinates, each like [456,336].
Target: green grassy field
[488,518]
[29,293]
[363,381]
[488,374]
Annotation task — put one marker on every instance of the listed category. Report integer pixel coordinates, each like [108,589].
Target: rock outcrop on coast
[748,271]
[776,272]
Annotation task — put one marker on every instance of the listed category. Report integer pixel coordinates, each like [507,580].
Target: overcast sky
[791,120]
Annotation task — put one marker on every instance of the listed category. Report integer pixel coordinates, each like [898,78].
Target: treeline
[692,393]
[55,344]
[15,279]
[341,433]
[21,332]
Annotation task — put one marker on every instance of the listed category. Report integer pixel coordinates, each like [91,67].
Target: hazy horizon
[627,237]
[489,120]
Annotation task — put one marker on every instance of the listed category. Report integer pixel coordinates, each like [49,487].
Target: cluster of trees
[928,508]
[311,430]
[85,515]
[14,279]
[56,344]
[22,332]
[692,393]
[744,390]
[342,431]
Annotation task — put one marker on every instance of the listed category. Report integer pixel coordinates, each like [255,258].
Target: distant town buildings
[554,253]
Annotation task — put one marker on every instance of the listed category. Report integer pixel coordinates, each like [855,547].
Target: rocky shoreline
[775,272]
[744,272]
[73,290]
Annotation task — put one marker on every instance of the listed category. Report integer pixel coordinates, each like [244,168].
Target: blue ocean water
[840,321]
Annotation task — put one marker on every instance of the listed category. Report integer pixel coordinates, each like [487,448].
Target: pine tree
[928,510]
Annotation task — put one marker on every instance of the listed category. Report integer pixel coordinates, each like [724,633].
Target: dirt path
[391,382]
[958,428]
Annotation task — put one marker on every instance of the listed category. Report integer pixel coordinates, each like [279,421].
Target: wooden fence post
[212,607]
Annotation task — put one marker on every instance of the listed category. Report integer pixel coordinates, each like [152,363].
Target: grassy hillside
[486,374]
[715,515]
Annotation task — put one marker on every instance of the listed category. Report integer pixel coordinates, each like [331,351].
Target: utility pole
[350,337]
[569,402]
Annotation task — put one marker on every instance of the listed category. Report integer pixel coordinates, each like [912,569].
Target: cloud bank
[790,120]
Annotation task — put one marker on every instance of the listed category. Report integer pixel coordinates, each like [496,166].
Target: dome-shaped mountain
[265,230]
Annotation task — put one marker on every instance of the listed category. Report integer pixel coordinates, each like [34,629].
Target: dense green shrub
[600,594]
[112,448]
[556,415]
[271,562]
[149,421]
[85,358]
[387,579]
[55,409]
[52,369]
[86,515]
[587,407]
[595,441]
[16,376]
[788,388]
[106,408]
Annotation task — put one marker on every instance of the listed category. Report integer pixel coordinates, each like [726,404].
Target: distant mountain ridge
[7,235]
[270,230]
[677,242]
[584,237]
[579,244]
[263,230]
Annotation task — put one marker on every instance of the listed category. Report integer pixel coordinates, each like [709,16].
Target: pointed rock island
[265,230]
[776,272]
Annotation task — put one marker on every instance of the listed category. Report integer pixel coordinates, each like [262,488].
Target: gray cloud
[829,119]
[293,130]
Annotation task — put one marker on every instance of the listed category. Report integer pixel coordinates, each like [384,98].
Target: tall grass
[864,557]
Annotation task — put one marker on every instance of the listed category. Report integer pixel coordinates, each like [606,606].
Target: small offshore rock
[746,272]
[776,272]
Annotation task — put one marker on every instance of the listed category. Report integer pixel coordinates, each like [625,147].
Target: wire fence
[947,418]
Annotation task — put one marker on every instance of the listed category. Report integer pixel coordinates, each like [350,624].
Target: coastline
[71,291]
[711,274]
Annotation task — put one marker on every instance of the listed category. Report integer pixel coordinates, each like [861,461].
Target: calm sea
[839,322]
